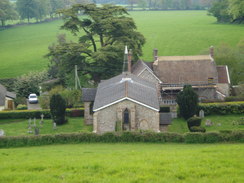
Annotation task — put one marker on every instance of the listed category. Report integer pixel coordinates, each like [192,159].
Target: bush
[213,137]
[194,137]
[21,107]
[197,129]
[25,114]
[222,108]
[57,109]
[193,121]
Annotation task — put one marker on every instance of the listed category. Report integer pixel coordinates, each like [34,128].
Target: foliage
[194,121]
[222,108]
[21,107]
[197,129]
[7,11]
[57,109]
[187,101]
[29,83]
[228,11]
[26,114]
[99,51]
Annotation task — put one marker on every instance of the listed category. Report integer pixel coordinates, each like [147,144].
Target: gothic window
[126,119]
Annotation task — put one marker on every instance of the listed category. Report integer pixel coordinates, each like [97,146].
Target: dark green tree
[188,102]
[7,11]
[102,34]
[236,10]
[219,10]
[57,109]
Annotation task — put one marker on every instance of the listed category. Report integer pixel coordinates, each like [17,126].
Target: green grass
[122,163]
[180,125]
[20,127]
[172,32]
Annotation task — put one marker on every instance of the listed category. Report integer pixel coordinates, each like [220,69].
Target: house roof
[88,94]
[140,66]
[126,87]
[3,92]
[185,69]
[223,74]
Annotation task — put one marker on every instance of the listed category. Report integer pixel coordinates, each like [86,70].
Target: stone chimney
[129,60]
[155,54]
[211,51]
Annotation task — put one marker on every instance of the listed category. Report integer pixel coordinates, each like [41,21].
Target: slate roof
[165,118]
[185,69]
[223,75]
[88,94]
[3,92]
[126,86]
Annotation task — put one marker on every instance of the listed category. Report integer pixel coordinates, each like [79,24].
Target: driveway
[33,106]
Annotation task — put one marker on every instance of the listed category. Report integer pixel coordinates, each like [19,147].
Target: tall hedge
[222,108]
[57,109]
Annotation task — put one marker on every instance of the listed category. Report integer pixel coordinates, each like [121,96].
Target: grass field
[172,32]
[20,127]
[122,163]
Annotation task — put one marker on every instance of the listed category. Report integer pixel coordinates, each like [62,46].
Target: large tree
[7,11]
[102,33]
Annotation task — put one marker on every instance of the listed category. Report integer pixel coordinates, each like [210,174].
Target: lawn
[172,32]
[121,163]
[20,127]
[224,122]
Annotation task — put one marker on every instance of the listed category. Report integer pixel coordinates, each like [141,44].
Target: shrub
[194,137]
[193,121]
[21,107]
[57,109]
[187,101]
[213,137]
[197,129]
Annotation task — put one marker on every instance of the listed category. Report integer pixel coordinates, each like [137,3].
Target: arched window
[126,119]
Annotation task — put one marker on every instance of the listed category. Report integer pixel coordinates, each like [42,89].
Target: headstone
[201,113]
[54,126]
[208,122]
[29,122]
[29,129]
[1,132]
[34,122]
[36,131]
[42,116]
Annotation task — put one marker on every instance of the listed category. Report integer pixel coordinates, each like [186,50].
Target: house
[6,99]
[171,73]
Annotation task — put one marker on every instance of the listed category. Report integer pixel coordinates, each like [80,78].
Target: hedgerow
[25,114]
[152,137]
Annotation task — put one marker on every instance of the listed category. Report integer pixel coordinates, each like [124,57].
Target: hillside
[172,32]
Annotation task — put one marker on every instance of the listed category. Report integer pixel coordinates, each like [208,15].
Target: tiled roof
[88,94]
[223,76]
[126,86]
[185,69]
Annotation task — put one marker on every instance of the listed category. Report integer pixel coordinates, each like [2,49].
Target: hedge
[25,114]
[73,138]
[222,108]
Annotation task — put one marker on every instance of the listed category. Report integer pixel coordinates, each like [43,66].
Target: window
[126,119]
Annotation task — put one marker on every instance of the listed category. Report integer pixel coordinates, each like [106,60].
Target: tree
[188,102]
[236,10]
[57,109]
[7,12]
[98,52]
[219,10]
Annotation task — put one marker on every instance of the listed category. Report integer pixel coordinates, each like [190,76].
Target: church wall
[87,115]
[141,118]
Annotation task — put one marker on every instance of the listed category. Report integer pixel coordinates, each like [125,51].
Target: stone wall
[206,93]
[88,114]
[141,118]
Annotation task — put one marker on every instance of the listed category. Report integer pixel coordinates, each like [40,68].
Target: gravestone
[201,113]
[30,129]
[1,132]
[208,122]
[54,126]
[34,122]
[36,131]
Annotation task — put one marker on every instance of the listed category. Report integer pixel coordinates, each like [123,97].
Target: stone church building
[131,101]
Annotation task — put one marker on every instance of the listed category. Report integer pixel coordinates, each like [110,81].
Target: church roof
[88,94]
[126,87]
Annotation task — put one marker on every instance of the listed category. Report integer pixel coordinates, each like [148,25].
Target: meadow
[22,48]
[121,163]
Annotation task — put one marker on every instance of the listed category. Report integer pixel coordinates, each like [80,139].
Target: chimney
[129,60]
[211,51]
[155,54]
